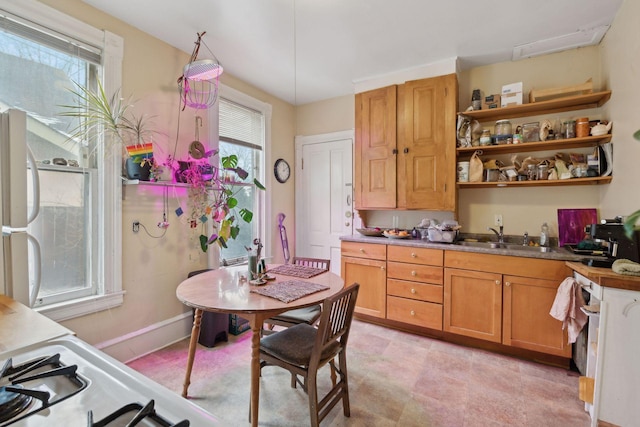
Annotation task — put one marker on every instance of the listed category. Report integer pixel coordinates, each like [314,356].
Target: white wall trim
[151,338]
[446,66]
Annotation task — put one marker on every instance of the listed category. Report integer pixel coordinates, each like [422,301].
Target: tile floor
[395,379]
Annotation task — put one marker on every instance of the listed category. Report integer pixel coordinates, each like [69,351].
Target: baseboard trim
[139,343]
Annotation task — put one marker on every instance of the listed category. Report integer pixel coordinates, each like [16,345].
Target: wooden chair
[308,315]
[303,349]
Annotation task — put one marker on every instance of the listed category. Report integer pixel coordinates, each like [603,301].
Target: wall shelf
[556,144]
[545,183]
[570,103]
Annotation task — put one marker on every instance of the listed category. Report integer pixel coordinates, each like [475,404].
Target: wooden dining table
[223,291]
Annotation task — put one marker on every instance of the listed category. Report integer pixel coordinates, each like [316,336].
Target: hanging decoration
[199,80]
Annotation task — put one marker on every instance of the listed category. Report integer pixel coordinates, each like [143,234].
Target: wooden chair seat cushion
[293,345]
[300,315]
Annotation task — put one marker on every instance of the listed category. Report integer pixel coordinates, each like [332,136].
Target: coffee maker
[610,233]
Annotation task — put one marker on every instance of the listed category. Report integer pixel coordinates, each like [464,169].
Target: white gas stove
[90,389]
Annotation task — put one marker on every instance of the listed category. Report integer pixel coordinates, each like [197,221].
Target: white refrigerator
[16,211]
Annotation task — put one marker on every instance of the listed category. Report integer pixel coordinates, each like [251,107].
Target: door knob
[413,291]
[347,214]
[406,150]
[413,255]
[347,223]
[413,313]
[507,283]
[497,282]
[413,273]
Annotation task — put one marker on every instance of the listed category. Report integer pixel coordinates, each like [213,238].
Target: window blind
[48,37]
[241,125]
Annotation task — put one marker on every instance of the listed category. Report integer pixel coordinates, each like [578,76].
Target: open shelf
[570,103]
[544,183]
[556,144]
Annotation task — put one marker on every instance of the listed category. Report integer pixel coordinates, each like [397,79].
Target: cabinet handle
[413,255]
[347,223]
[497,282]
[507,283]
[413,313]
[394,151]
[413,273]
[406,150]
[361,250]
[382,268]
[413,291]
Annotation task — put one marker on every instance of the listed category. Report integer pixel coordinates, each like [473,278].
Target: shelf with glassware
[571,103]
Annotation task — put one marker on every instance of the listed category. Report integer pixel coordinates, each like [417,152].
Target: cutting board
[571,223]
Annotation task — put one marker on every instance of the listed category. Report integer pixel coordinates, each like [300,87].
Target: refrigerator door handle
[35,175]
[37,266]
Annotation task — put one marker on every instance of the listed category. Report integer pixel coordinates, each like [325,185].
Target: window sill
[81,307]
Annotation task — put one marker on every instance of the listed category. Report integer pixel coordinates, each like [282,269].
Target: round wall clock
[281,170]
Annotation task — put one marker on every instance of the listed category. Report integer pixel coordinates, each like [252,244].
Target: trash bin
[214,326]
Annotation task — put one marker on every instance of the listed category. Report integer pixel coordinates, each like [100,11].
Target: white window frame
[110,293]
[243,99]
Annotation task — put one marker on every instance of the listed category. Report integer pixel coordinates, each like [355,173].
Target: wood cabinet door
[473,304]
[375,149]
[526,319]
[372,277]
[427,145]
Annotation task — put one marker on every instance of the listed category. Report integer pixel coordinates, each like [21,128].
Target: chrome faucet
[500,234]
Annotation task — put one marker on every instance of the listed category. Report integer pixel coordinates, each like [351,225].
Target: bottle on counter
[544,235]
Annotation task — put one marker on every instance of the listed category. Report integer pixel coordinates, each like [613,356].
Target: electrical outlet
[497,219]
[136,226]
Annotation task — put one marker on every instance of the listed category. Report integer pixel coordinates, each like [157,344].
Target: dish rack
[436,235]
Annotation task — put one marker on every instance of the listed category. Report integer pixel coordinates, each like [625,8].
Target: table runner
[294,270]
[290,290]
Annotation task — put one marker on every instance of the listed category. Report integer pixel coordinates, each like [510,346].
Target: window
[42,52]
[242,129]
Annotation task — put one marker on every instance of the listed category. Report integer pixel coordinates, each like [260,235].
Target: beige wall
[621,72]
[152,267]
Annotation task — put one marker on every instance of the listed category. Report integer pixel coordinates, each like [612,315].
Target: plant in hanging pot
[112,119]
[212,195]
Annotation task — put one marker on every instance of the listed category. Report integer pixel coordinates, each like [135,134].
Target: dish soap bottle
[544,235]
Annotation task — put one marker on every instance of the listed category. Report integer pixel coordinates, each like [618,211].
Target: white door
[324,195]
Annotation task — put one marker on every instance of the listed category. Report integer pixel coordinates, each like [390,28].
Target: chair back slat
[312,262]
[335,322]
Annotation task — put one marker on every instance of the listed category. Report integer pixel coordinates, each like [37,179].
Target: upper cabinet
[375,162]
[405,146]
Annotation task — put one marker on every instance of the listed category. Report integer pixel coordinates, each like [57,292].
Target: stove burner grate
[12,402]
[141,413]
[16,398]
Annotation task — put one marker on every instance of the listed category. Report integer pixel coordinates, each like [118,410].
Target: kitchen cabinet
[414,286]
[473,304]
[365,263]
[376,149]
[505,300]
[571,103]
[405,146]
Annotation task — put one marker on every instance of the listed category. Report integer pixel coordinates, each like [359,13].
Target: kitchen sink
[509,246]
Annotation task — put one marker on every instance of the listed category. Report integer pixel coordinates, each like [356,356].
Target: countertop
[560,254]
[21,326]
[606,277]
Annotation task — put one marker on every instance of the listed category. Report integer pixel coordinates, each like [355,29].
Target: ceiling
[309,50]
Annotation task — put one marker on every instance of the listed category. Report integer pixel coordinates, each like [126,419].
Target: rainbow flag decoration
[140,151]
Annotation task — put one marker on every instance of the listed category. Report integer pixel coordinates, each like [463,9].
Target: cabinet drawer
[415,255]
[364,250]
[413,290]
[415,272]
[419,313]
